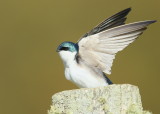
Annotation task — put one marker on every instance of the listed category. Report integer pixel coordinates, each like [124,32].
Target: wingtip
[128,9]
[146,22]
[151,21]
[124,11]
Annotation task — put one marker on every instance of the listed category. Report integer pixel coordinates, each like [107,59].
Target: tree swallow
[87,61]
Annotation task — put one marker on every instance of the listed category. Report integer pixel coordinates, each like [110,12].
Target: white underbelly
[84,78]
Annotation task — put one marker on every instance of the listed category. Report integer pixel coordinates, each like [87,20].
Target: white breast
[82,76]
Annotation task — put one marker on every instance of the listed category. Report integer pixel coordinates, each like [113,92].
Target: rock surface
[112,99]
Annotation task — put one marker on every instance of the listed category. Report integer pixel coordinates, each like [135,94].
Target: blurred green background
[30,69]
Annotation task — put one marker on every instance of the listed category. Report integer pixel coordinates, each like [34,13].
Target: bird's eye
[64,48]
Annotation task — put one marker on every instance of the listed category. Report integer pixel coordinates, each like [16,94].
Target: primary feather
[113,21]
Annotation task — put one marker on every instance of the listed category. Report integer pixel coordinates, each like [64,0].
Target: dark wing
[113,21]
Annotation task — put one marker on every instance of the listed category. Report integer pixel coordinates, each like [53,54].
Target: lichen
[102,100]
[134,109]
[112,99]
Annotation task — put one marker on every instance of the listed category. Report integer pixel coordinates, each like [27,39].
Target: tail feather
[107,79]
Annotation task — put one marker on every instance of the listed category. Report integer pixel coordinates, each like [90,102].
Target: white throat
[67,57]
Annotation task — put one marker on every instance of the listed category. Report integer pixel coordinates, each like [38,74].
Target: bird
[88,62]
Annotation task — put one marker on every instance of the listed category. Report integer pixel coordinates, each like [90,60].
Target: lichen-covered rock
[112,99]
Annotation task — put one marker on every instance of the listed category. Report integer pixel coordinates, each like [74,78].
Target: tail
[107,79]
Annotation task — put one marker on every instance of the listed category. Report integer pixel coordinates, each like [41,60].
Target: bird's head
[67,46]
[67,51]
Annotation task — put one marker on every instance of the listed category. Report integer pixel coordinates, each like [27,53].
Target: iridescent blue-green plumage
[68,46]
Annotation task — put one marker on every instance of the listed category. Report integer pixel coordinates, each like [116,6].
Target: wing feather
[113,21]
[99,50]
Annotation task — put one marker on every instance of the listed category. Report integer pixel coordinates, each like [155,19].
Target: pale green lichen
[134,109]
[113,99]
[147,112]
[104,105]
[102,100]
[54,110]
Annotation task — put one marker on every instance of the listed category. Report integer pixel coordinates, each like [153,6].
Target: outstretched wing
[113,21]
[99,50]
